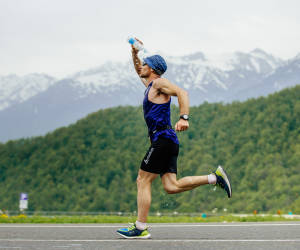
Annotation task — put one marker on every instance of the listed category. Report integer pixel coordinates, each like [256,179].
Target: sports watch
[184,117]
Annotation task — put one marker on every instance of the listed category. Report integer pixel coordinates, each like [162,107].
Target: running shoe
[223,181]
[132,232]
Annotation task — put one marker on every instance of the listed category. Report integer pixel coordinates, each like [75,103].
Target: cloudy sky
[61,37]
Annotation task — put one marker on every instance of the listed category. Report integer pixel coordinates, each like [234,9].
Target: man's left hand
[181,125]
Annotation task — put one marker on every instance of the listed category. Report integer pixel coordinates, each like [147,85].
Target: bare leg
[173,186]
[144,181]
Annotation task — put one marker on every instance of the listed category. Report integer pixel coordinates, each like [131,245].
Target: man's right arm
[137,64]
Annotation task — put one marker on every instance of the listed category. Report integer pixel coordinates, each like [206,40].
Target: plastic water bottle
[136,44]
[143,53]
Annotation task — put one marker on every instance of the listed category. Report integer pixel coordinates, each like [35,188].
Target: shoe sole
[226,178]
[136,237]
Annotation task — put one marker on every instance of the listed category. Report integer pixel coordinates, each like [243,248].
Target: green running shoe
[132,232]
[223,180]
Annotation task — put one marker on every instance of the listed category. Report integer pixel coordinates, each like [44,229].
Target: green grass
[126,219]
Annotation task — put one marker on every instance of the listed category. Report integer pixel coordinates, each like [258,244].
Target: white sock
[140,225]
[212,179]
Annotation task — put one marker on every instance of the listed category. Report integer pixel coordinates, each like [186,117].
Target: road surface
[267,235]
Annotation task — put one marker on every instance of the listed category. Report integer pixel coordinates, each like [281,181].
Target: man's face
[145,71]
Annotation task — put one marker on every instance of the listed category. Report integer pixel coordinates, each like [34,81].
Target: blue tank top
[158,116]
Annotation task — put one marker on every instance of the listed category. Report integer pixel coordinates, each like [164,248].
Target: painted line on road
[151,240]
[151,225]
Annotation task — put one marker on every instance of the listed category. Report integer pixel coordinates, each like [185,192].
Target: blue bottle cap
[131,40]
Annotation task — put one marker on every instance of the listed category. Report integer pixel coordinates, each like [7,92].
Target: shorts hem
[161,174]
[149,171]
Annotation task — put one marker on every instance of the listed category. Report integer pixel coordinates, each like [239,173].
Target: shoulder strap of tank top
[147,89]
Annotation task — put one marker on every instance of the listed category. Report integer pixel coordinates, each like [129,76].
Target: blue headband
[157,63]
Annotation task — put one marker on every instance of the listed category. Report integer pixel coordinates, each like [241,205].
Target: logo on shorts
[148,156]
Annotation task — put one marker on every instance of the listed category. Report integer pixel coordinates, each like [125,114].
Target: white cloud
[59,37]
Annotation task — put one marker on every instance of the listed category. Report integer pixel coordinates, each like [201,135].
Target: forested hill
[92,165]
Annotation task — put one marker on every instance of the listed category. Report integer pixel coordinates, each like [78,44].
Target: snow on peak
[197,66]
[195,58]
[15,89]
[221,61]
[106,75]
[297,57]
[195,70]
[106,78]
[261,55]
[257,60]
[259,52]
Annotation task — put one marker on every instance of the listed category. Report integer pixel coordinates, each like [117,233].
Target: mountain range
[38,103]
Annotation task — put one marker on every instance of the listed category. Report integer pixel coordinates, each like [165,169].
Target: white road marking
[151,225]
[150,240]
[6,247]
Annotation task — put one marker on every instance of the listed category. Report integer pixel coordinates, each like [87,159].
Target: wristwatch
[184,117]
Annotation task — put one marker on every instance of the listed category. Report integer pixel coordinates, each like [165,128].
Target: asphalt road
[285,235]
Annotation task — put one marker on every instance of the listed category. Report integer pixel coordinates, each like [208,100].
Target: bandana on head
[157,63]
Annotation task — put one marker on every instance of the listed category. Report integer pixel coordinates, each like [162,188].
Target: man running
[161,158]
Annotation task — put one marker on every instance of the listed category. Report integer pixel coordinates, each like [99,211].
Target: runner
[161,158]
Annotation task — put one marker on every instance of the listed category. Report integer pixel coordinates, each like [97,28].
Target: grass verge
[125,219]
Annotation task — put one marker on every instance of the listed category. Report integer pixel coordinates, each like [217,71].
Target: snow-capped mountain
[108,78]
[221,77]
[14,89]
[41,103]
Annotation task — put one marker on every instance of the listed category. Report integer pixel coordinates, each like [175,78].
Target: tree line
[92,165]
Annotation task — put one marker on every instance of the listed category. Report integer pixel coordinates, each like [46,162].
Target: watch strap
[184,117]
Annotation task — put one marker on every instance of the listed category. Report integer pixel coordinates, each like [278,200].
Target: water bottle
[143,53]
[136,44]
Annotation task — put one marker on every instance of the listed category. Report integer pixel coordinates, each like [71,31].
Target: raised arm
[137,63]
[166,87]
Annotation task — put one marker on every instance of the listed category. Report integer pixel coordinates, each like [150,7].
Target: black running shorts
[161,157]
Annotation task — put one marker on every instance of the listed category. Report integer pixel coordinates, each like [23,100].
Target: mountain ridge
[234,77]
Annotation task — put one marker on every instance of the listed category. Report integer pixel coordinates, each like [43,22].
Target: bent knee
[171,189]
